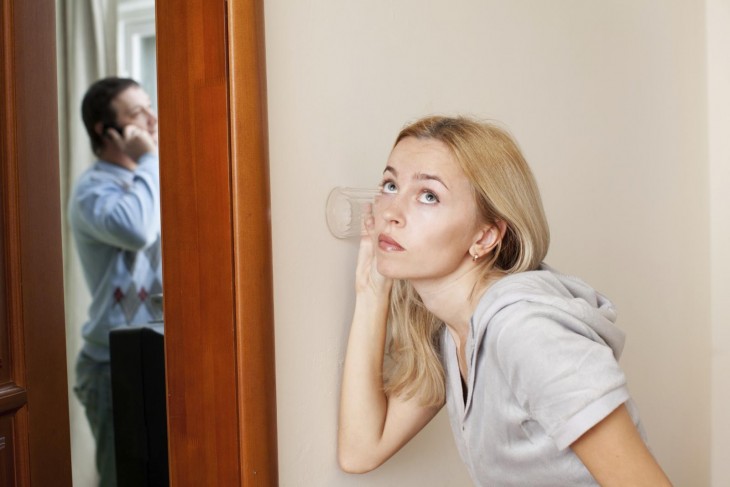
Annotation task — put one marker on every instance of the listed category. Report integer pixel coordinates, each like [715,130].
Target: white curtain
[87,38]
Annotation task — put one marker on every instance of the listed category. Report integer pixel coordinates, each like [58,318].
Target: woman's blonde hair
[504,190]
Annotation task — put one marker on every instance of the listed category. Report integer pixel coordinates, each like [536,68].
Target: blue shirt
[115,220]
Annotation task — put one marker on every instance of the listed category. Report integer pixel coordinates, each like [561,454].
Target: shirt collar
[114,169]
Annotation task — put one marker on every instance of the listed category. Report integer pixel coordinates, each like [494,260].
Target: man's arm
[125,216]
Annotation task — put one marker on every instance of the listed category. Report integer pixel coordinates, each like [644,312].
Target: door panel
[34,432]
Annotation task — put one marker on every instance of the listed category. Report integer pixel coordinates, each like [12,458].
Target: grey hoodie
[543,369]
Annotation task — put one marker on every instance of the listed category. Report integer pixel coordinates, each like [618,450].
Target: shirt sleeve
[560,371]
[123,215]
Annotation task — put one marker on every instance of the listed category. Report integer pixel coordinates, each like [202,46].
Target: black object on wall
[138,400]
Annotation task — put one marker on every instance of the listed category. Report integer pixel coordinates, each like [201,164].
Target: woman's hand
[367,278]
[372,427]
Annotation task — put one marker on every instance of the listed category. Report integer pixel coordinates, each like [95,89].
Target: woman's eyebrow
[420,176]
[423,176]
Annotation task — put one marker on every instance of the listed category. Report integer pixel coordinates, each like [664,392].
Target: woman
[524,358]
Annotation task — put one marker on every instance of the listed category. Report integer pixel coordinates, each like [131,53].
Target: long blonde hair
[505,190]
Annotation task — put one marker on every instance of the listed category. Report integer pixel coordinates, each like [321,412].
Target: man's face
[133,107]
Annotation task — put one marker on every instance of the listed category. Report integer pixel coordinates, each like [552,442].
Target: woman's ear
[491,236]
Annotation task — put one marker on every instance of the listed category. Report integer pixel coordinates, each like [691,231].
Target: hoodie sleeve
[561,372]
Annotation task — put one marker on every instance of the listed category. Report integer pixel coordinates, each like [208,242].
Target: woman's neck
[453,298]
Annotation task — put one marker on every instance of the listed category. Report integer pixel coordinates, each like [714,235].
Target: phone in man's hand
[114,126]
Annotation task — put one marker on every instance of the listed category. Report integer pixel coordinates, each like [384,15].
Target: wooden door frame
[217,244]
[218,298]
[34,394]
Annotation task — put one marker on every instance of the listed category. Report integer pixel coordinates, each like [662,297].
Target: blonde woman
[524,358]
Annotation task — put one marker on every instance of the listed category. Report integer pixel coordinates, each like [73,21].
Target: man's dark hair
[97,106]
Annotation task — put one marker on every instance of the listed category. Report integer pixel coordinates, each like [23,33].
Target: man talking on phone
[114,214]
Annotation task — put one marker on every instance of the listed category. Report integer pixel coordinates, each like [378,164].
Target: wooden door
[34,431]
[217,257]
[219,337]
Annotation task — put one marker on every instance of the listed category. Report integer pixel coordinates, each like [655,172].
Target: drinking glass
[346,208]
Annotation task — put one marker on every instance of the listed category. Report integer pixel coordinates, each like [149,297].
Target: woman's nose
[390,209]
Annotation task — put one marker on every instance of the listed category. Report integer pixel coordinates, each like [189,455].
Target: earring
[474,257]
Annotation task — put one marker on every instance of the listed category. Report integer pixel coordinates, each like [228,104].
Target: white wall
[608,100]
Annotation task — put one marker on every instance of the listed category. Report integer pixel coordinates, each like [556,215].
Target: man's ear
[491,236]
[99,128]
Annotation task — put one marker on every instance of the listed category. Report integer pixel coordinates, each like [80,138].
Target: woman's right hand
[367,278]
[372,427]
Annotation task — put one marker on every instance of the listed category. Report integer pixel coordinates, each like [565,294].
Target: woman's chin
[390,272]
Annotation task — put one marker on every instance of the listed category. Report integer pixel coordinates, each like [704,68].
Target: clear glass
[346,208]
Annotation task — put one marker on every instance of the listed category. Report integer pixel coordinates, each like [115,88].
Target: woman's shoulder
[542,286]
[545,303]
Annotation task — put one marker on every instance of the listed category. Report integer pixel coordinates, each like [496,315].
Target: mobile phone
[114,126]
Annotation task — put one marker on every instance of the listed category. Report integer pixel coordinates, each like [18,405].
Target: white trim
[136,21]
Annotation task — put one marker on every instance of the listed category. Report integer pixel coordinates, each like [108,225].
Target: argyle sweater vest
[115,218]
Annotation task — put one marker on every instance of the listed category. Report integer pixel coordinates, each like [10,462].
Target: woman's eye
[389,187]
[428,197]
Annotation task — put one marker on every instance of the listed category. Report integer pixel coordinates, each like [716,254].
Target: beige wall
[608,100]
[718,40]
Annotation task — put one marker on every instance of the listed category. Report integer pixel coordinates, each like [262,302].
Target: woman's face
[426,219]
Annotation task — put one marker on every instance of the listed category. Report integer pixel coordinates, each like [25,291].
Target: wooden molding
[252,242]
[216,244]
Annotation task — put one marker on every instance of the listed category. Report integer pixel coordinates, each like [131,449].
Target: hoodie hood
[564,294]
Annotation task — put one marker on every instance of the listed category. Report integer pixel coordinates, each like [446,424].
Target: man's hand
[134,143]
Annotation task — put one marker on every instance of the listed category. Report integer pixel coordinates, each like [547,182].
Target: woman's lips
[388,244]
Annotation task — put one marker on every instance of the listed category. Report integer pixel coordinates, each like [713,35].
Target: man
[114,214]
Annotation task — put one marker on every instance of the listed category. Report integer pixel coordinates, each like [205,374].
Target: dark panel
[7,451]
[4,312]
[140,420]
